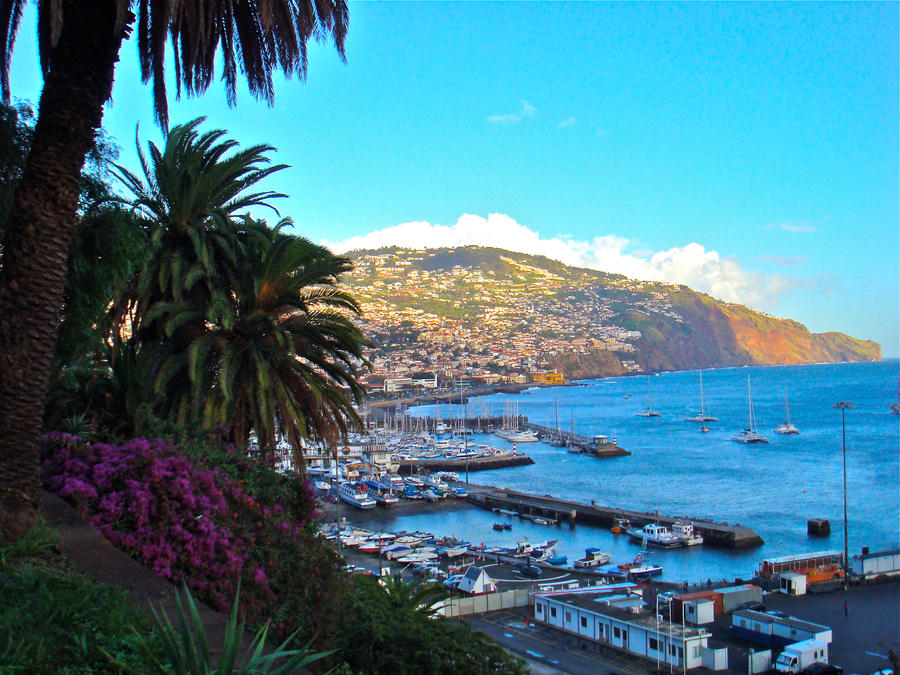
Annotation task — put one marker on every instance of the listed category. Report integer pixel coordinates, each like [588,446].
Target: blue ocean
[675,469]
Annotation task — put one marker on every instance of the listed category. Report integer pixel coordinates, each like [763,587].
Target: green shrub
[59,621]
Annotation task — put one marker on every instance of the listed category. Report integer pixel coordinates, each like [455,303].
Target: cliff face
[768,340]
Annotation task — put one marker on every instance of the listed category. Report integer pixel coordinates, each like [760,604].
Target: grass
[54,619]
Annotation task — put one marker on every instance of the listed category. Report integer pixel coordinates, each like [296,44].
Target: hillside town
[435,322]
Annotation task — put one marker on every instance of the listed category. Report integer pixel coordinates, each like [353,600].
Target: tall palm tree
[285,360]
[190,195]
[79,42]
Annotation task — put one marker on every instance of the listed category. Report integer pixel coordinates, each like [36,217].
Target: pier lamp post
[843,406]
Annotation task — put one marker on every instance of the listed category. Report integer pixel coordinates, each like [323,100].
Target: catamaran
[649,412]
[701,416]
[786,428]
[750,435]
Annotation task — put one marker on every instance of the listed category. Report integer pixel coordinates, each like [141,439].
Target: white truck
[797,657]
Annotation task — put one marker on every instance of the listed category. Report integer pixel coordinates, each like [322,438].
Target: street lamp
[842,406]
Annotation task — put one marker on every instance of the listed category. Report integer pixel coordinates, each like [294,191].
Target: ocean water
[772,488]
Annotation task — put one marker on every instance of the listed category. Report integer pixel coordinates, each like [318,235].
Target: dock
[409,467]
[596,446]
[714,534]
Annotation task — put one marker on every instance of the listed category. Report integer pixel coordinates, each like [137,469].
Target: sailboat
[649,412]
[556,440]
[750,435]
[702,416]
[786,427]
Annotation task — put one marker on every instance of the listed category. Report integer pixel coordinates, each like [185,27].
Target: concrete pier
[411,466]
[714,534]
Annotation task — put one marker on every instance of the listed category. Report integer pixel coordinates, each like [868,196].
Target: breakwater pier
[598,446]
[409,467]
[563,510]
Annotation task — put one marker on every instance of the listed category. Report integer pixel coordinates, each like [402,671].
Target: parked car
[532,571]
[453,582]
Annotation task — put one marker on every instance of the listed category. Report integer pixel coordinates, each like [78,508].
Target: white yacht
[654,534]
[702,416]
[786,428]
[750,435]
[685,531]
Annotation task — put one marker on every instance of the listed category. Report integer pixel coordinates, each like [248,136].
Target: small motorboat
[557,560]
[501,526]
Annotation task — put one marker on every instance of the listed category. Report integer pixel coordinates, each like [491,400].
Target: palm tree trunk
[36,247]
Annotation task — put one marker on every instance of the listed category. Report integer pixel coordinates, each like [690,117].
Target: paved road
[546,651]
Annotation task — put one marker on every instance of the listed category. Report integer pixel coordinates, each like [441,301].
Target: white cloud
[527,110]
[784,261]
[801,228]
[692,264]
[568,122]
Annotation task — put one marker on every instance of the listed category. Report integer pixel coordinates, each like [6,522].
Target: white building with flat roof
[617,616]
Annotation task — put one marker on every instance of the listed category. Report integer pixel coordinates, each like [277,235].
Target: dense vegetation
[202,324]
[53,618]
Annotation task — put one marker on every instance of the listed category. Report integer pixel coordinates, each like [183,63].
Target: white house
[618,616]
[476,582]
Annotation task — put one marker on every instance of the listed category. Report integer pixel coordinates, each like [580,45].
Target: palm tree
[190,194]
[408,597]
[79,42]
[241,325]
[285,360]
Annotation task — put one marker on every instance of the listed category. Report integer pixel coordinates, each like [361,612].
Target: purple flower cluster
[184,521]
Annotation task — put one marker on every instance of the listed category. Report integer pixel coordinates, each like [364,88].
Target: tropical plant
[186,651]
[287,358]
[407,596]
[190,194]
[241,324]
[79,43]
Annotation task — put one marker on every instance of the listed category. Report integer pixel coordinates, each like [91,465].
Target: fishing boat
[702,416]
[786,428]
[386,499]
[593,557]
[686,532]
[356,495]
[640,568]
[541,520]
[620,526]
[649,412]
[654,534]
[750,435]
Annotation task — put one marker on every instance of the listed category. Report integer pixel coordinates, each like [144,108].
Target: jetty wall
[409,467]
[714,533]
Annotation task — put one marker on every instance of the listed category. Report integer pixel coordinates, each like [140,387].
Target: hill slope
[478,309]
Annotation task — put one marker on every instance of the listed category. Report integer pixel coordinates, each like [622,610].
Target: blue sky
[748,150]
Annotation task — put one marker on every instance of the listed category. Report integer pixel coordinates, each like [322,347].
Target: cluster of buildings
[472,322]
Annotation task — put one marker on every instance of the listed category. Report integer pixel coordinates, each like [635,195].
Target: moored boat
[750,435]
[640,568]
[593,557]
[786,428]
[356,495]
[685,531]
[654,534]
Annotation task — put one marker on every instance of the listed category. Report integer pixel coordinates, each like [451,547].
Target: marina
[690,476]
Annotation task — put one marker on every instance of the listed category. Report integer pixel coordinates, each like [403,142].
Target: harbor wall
[409,467]
[713,533]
